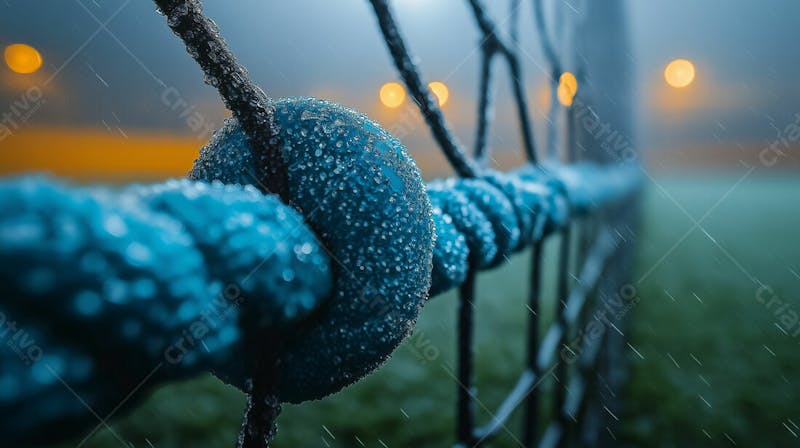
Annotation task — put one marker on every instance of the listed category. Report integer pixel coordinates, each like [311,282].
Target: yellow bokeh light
[679,73]
[441,91]
[392,94]
[22,58]
[567,88]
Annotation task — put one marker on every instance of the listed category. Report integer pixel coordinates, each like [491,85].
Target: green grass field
[716,366]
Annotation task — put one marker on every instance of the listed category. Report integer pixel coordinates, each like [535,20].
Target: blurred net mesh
[587,41]
[578,37]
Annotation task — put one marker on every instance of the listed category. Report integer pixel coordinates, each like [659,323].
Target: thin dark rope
[463,165]
[485,97]
[547,44]
[492,43]
[248,103]
[519,89]
[555,72]
[254,111]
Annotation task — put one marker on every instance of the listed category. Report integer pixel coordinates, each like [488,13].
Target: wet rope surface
[104,278]
[107,290]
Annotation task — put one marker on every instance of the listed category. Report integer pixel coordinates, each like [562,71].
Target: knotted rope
[485,220]
[99,287]
[108,284]
[108,291]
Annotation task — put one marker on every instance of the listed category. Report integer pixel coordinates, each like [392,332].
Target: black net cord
[531,415]
[485,97]
[492,44]
[259,425]
[254,112]
[465,419]
[588,232]
[517,83]
[463,165]
[554,61]
[248,103]
[544,37]
[561,320]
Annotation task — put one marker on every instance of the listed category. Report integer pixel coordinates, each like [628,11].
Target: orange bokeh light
[22,58]
[567,88]
[441,92]
[392,95]
[679,73]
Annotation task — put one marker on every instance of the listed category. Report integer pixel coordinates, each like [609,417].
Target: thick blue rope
[99,287]
[485,220]
[102,288]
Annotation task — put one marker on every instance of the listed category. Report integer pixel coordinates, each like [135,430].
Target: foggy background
[113,70]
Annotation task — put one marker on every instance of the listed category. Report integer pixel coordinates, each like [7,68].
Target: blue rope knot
[188,275]
[362,194]
[485,220]
[482,221]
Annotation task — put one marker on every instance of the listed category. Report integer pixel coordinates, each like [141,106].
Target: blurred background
[101,91]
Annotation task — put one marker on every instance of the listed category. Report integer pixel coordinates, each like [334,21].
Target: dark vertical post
[531,417]
[606,27]
[464,403]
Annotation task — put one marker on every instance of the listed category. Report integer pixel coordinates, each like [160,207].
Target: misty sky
[744,51]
